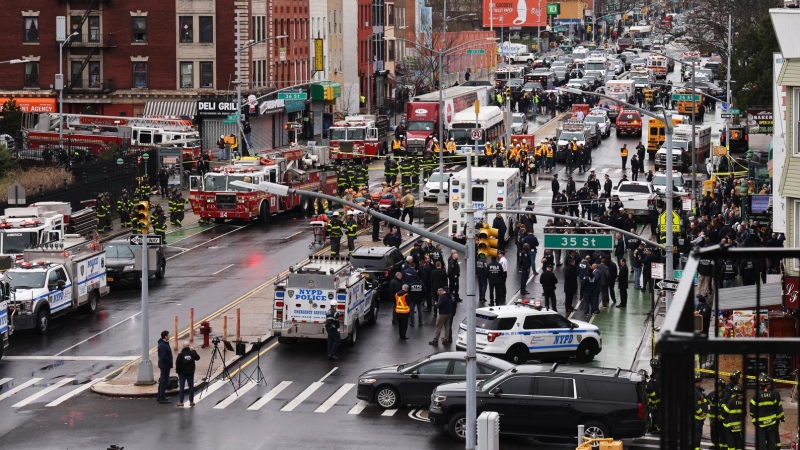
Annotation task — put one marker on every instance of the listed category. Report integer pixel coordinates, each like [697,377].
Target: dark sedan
[413,383]
[121,263]
[709,88]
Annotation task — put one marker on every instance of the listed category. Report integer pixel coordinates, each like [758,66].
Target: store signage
[215,107]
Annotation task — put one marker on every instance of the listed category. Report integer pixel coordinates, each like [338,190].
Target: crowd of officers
[132,214]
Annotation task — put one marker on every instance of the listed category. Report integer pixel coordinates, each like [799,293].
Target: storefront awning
[744,297]
[33,105]
[170,109]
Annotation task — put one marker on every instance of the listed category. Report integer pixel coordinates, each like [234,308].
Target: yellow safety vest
[395,144]
[574,146]
[435,148]
[401,305]
[623,151]
[451,147]
[488,150]
[549,152]
[538,151]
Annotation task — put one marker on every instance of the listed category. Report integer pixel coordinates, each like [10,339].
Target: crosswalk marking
[4,380]
[208,391]
[303,395]
[604,170]
[389,412]
[360,406]
[42,393]
[270,395]
[341,392]
[617,170]
[19,388]
[72,393]
[236,395]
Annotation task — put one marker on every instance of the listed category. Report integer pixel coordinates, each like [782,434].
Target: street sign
[726,115]
[735,111]
[678,274]
[579,242]
[668,285]
[676,222]
[292,96]
[657,271]
[554,9]
[152,239]
[724,107]
[16,194]
[685,97]
[230,120]
[477,134]
[475,51]
[293,126]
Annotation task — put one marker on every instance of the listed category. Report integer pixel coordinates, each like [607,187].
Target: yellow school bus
[656,133]
[685,107]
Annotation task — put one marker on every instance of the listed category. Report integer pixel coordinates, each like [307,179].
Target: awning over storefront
[744,297]
[171,109]
[33,105]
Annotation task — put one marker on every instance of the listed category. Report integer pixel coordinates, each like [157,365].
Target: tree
[752,63]
[423,68]
[12,117]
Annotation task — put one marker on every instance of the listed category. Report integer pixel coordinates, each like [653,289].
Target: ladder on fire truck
[82,120]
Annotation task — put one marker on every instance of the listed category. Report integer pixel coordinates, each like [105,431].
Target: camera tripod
[225,374]
[256,376]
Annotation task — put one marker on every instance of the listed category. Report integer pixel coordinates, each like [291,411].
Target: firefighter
[101,214]
[700,410]
[406,171]
[779,415]
[733,419]
[390,169]
[350,176]
[715,410]
[451,147]
[180,209]
[143,192]
[352,231]
[340,181]
[106,206]
[623,153]
[172,208]
[124,206]
[160,222]
[320,206]
[429,163]
[654,393]
[363,176]
[764,411]
[334,231]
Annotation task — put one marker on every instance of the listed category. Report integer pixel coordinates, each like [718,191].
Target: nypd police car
[525,330]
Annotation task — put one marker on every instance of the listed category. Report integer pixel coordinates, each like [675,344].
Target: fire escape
[87,45]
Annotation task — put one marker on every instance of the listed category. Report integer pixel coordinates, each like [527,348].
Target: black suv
[379,265]
[121,261]
[550,402]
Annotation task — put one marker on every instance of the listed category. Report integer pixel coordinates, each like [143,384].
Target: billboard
[513,13]
[759,121]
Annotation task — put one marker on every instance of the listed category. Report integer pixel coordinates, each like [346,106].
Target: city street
[306,401]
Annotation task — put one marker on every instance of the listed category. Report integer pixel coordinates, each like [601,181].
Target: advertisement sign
[216,107]
[319,59]
[778,145]
[742,323]
[791,286]
[759,121]
[513,13]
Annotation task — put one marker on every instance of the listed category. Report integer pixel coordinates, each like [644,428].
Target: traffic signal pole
[144,372]
[470,259]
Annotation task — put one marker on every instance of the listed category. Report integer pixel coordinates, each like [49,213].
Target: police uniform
[495,278]
[402,312]
[332,328]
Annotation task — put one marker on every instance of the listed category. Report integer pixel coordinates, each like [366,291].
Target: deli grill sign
[220,107]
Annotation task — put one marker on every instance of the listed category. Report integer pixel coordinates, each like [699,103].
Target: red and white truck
[423,114]
[214,197]
[359,137]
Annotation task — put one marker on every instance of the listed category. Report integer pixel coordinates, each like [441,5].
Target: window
[207,75]
[390,14]
[186,27]
[614,392]
[76,74]
[434,367]
[555,387]
[139,30]
[206,29]
[94,29]
[460,368]
[31,31]
[557,321]
[140,75]
[187,75]
[31,74]
[390,46]
[75,27]
[535,323]
[516,386]
[94,74]
[477,194]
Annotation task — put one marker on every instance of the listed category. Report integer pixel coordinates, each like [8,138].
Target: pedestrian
[549,281]
[376,224]
[164,365]
[454,275]
[402,310]
[504,264]
[570,284]
[445,306]
[622,278]
[247,130]
[184,367]
[222,154]
[635,167]
[416,296]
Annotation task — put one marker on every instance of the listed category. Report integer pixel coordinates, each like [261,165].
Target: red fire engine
[214,197]
[359,137]
[95,134]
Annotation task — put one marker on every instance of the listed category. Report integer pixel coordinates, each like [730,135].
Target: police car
[525,330]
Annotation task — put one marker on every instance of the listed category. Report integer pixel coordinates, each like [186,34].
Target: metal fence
[753,350]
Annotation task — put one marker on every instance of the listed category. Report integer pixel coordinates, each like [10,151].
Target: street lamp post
[60,87]
[440,197]
[668,274]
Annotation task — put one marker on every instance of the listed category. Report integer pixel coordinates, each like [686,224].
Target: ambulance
[492,188]
[304,295]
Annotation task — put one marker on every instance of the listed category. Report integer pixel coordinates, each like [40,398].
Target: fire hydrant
[205,330]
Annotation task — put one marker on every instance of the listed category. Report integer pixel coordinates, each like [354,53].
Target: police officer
[764,411]
[700,410]
[124,206]
[416,296]
[332,328]
[496,279]
[733,419]
[352,231]
[715,410]
[482,273]
[334,231]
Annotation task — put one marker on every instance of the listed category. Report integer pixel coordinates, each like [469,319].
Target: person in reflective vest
[320,206]
[451,147]
[653,388]
[352,231]
[396,144]
[334,231]
[733,419]
[435,145]
[700,410]
[402,310]
[390,170]
[623,153]
[489,154]
[124,207]
[513,150]
[763,410]
[101,213]
[160,223]
[550,161]
[523,149]
[539,153]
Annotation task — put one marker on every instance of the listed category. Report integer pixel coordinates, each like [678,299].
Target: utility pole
[469,259]
[239,83]
[440,197]
[668,271]
[694,140]
[144,372]
[728,90]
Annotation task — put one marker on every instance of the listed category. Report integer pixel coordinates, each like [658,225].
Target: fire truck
[214,197]
[359,137]
[96,134]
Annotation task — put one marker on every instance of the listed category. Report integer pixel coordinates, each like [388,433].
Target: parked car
[527,58]
[379,265]
[431,188]
[121,263]
[519,123]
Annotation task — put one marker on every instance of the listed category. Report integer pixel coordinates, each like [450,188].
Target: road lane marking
[291,236]
[389,412]
[328,374]
[270,395]
[416,414]
[19,388]
[360,406]
[69,358]
[341,392]
[43,392]
[604,170]
[261,353]
[223,269]
[208,391]
[202,244]
[4,380]
[236,395]
[98,334]
[72,393]
[302,397]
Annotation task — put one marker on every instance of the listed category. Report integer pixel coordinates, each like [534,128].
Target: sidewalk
[255,308]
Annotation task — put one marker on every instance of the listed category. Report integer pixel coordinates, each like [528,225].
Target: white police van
[525,330]
[492,188]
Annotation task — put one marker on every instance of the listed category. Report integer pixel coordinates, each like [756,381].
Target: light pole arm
[441,52]
[627,105]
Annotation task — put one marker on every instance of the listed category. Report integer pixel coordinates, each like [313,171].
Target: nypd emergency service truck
[302,300]
[525,330]
[54,279]
[492,188]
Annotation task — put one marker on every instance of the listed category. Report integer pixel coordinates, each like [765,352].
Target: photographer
[184,367]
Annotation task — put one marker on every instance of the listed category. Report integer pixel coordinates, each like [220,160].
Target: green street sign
[678,274]
[735,111]
[685,97]
[554,9]
[579,241]
[475,51]
[230,120]
[292,96]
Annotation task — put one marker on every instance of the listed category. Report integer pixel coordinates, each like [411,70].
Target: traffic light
[143,213]
[328,93]
[487,241]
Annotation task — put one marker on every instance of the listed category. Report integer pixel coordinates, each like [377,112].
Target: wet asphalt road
[317,396]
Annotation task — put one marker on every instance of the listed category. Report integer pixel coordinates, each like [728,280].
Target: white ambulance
[492,188]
